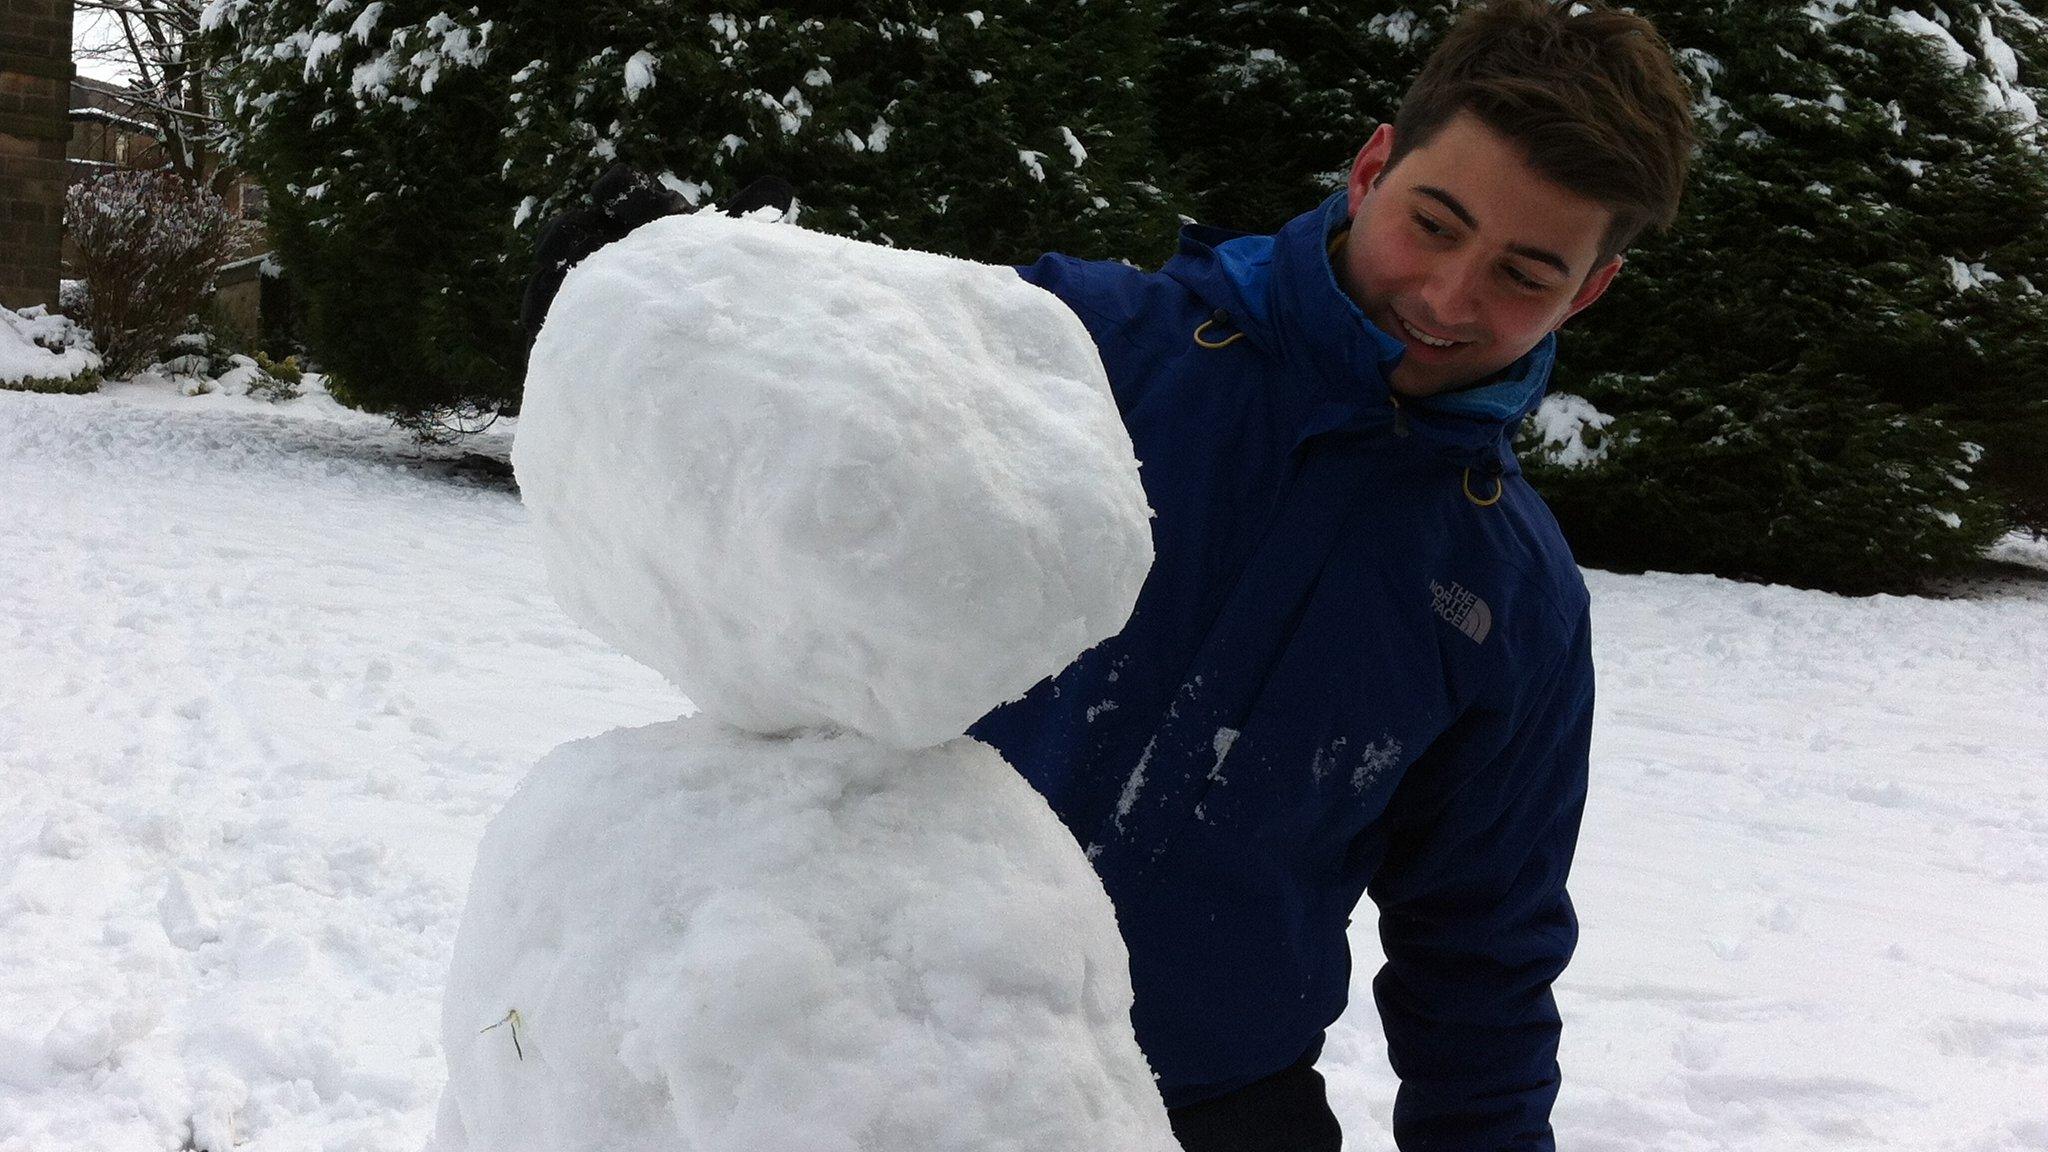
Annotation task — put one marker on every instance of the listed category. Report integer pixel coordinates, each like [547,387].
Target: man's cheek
[1523,322]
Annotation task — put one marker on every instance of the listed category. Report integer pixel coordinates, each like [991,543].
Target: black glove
[622,201]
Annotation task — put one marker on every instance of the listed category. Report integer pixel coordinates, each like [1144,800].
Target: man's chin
[1411,385]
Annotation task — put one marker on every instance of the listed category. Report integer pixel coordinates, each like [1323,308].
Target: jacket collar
[1282,293]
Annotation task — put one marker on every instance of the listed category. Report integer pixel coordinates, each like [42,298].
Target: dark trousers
[1285,1112]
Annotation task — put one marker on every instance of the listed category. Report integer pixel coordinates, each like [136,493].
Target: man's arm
[1475,921]
[1108,297]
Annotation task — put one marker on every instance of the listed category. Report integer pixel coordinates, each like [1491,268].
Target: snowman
[848,498]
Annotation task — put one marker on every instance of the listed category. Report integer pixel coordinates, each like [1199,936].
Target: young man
[1361,662]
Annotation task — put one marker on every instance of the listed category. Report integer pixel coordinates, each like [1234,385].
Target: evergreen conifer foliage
[374,129]
[414,153]
[1261,105]
[994,130]
[1814,375]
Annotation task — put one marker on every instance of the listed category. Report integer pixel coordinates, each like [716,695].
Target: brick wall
[35,91]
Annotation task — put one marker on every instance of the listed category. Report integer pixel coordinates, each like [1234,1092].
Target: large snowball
[723,942]
[820,482]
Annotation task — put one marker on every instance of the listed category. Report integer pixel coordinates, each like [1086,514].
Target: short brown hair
[1590,92]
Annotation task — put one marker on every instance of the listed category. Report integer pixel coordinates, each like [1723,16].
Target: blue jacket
[1360,664]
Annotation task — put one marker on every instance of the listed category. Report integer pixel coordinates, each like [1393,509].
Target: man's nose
[1452,292]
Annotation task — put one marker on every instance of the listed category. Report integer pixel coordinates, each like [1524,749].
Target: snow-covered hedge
[412,151]
[148,246]
[1833,371]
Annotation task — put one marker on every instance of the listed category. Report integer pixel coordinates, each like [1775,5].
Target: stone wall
[35,92]
[238,297]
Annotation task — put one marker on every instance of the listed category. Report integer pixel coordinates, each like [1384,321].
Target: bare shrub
[149,244]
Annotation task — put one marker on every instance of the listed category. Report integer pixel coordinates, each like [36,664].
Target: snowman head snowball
[819,483]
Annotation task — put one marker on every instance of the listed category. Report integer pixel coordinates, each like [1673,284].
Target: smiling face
[1466,254]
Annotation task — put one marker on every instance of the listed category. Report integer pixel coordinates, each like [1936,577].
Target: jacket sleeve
[1075,281]
[1474,917]
[1109,298]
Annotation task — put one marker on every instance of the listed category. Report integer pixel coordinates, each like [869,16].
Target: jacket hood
[1282,293]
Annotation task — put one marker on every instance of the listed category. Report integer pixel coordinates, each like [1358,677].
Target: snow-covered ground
[266,672]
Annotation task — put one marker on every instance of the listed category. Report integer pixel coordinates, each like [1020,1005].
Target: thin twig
[512,1018]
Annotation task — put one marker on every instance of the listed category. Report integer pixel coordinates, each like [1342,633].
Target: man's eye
[1430,226]
[1523,279]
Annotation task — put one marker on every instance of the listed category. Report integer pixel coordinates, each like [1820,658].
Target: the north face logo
[1468,613]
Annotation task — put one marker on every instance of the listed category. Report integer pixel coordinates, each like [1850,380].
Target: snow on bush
[850,498]
[815,481]
[148,247]
[45,353]
[257,377]
[1559,427]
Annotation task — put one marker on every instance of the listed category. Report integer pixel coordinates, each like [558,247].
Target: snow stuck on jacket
[820,482]
[850,499]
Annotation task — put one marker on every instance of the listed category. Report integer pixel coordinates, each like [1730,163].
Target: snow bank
[35,345]
[819,482]
[817,944]
[2021,548]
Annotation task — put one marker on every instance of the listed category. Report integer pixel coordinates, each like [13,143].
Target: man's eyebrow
[1542,256]
[1456,208]
[1450,202]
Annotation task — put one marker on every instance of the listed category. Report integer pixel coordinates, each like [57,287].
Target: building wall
[238,298]
[100,145]
[35,89]
[108,130]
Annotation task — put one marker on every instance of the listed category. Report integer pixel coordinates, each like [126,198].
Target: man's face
[1465,254]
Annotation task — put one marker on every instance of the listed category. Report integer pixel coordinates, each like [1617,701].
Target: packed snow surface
[719,941]
[820,482]
[296,666]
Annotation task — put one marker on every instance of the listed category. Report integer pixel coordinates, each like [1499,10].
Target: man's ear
[1371,162]
[1595,285]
